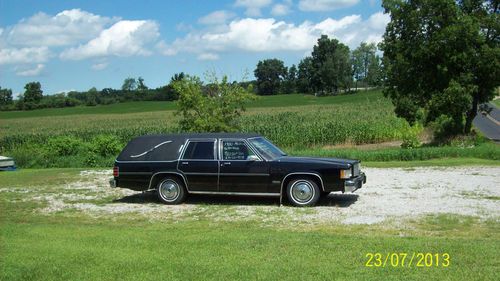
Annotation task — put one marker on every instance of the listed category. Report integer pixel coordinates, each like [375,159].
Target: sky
[80,44]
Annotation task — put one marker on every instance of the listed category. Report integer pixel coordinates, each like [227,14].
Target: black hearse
[233,164]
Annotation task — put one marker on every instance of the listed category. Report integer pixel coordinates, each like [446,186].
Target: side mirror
[253,158]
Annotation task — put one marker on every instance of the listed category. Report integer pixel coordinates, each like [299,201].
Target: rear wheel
[171,191]
[303,192]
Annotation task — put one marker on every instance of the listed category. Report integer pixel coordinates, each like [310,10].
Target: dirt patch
[390,195]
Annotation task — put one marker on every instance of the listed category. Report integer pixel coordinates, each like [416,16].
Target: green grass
[152,106]
[75,246]
[496,102]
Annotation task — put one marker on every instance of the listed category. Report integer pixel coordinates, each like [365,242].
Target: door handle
[225,163]
[184,163]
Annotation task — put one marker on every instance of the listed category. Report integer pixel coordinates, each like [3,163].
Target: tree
[129,84]
[177,77]
[331,64]
[375,74]
[305,76]
[270,74]
[33,93]
[442,57]
[5,97]
[365,63]
[210,108]
[140,84]
[290,83]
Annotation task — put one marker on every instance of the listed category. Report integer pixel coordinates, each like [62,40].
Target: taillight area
[116,171]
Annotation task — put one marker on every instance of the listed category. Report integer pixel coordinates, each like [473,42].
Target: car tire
[171,191]
[303,192]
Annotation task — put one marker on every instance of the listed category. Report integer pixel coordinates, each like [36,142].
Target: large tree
[305,76]
[442,57]
[331,64]
[366,64]
[270,74]
[33,92]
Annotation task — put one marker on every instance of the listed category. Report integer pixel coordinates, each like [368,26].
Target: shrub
[105,145]
[64,145]
[410,141]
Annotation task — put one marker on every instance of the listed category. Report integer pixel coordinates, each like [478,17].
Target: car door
[199,165]
[241,169]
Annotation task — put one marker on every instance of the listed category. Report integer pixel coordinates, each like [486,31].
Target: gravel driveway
[391,194]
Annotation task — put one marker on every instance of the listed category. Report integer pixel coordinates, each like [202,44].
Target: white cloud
[37,70]
[281,9]
[253,7]
[325,5]
[266,35]
[99,66]
[65,28]
[208,56]
[24,55]
[124,38]
[217,17]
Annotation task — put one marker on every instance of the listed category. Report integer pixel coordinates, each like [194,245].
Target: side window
[235,150]
[202,150]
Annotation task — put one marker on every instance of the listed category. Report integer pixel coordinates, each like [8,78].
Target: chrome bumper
[355,183]
[112,183]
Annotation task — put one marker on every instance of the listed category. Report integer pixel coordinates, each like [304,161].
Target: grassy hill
[153,106]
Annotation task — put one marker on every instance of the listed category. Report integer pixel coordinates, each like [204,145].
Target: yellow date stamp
[405,259]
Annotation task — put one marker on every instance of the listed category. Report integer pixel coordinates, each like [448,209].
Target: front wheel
[171,191]
[303,192]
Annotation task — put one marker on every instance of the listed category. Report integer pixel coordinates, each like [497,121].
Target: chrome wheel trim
[169,190]
[302,191]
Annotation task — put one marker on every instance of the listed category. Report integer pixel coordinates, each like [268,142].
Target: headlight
[346,173]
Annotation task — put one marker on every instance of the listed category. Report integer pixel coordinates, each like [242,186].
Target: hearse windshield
[266,148]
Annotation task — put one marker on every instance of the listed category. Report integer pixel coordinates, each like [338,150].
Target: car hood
[319,160]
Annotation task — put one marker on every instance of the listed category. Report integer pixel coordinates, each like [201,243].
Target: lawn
[72,245]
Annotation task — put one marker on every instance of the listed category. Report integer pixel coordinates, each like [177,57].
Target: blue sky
[76,45]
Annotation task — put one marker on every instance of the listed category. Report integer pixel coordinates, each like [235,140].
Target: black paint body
[259,177]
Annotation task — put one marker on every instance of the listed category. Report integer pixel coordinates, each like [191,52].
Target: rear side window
[202,150]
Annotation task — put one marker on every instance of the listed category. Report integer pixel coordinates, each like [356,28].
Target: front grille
[355,170]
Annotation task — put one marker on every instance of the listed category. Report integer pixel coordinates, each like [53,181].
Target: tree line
[132,90]
[331,68]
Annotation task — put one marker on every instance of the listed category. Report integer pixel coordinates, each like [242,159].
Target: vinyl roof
[167,147]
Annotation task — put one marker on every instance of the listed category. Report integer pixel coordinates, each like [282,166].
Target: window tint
[235,150]
[199,150]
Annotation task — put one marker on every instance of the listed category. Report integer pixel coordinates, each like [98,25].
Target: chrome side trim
[243,174]
[300,173]
[135,173]
[149,150]
[169,172]
[235,193]
[200,174]
[166,161]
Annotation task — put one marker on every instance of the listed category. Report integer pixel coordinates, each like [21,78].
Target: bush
[410,141]
[64,145]
[446,127]
[105,145]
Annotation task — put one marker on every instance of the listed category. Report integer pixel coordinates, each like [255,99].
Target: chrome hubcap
[302,191]
[169,190]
